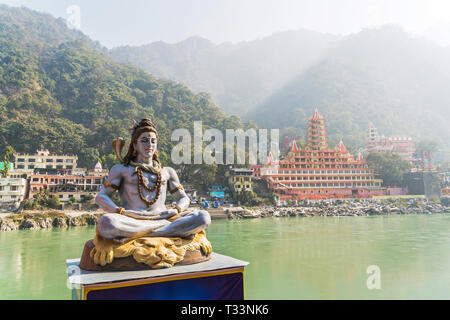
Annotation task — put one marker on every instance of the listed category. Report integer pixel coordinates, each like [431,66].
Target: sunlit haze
[138,22]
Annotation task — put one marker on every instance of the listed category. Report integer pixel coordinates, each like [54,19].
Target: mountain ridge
[385,76]
[63,93]
[236,75]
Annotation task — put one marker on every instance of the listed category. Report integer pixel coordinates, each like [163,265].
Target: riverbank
[342,208]
[33,220]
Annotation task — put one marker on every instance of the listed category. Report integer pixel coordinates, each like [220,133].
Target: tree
[247,198]
[389,166]
[7,153]
[108,160]
[42,200]
[425,146]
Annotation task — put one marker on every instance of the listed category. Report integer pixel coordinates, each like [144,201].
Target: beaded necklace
[154,170]
[156,187]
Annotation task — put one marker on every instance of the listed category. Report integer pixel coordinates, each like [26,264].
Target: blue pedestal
[220,278]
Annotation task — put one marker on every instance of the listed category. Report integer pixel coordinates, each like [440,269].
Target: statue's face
[146,145]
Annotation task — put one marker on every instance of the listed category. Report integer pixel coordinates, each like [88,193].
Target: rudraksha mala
[156,187]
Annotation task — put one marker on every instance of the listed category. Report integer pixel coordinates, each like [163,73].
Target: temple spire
[341,147]
[270,159]
[359,157]
[317,133]
[294,146]
[316,115]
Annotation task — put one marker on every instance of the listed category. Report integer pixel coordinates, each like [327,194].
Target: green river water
[290,258]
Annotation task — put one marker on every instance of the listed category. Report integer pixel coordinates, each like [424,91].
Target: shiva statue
[143,227]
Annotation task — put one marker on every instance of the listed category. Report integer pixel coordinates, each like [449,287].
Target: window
[21,160]
[20,166]
[49,160]
[31,166]
[69,161]
[59,160]
[32,160]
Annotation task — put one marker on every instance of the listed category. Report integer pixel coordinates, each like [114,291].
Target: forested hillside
[384,75]
[399,82]
[238,76]
[60,92]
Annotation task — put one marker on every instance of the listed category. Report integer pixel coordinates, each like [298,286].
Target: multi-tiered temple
[317,171]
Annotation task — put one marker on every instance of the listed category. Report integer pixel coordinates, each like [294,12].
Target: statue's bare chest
[135,179]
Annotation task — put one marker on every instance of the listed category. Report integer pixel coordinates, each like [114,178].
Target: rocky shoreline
[341,208]
[34,220]
[47,220]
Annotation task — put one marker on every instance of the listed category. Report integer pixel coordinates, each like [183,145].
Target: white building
[43,159]
[12,192]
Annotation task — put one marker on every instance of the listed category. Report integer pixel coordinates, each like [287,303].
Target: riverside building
[44,160]
[13,188]
[68,186]
[240,180]
[403,146]
[320,172]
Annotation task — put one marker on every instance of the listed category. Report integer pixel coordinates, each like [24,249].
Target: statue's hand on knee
[142,215]
[167,214]
[150,215]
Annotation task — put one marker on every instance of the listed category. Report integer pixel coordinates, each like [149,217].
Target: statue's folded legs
[114,226]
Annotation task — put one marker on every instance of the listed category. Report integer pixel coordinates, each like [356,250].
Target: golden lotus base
[129,263]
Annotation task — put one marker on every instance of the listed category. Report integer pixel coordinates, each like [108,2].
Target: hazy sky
[136,22]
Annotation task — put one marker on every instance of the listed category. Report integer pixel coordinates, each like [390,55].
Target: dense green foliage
[388,166]
[7,160]
[58,93]
[42,200]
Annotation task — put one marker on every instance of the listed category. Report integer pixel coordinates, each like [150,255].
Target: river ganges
[290,257]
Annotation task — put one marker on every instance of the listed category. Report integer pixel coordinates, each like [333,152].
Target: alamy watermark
[73,280]
[74,19]
[374,280]
[210,147]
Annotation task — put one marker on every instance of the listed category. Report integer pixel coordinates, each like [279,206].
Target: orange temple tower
[320,172]
[317,132]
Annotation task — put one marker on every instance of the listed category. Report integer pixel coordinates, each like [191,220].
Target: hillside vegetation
[60,91]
